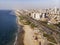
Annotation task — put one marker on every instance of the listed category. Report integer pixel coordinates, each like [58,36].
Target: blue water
[8,27]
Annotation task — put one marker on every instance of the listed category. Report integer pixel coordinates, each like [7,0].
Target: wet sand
[20,38]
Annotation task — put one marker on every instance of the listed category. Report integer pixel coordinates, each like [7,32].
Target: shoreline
[16,32]
[19,34]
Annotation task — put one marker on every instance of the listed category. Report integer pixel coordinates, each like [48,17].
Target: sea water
[8,27]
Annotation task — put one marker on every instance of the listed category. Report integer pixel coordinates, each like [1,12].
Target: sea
[8,27]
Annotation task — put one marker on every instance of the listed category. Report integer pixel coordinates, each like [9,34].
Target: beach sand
[28,37]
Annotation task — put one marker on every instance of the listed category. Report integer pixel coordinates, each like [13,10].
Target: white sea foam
[12,13]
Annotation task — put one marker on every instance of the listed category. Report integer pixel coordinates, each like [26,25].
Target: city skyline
[28,4]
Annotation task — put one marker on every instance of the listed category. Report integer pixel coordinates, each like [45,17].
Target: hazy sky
[27,4]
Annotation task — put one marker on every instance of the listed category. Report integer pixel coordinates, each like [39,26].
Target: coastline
[23,37]
[19,34]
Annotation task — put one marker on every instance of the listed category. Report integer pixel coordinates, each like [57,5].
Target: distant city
[50,15]
[41,26]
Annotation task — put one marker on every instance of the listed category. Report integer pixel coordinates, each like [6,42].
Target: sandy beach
[25,36]
[20,33]
[28,37]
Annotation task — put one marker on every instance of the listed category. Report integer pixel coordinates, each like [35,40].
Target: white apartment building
[36,16]
[39,16]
